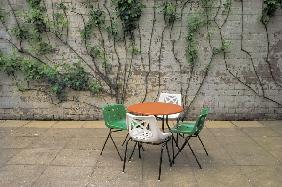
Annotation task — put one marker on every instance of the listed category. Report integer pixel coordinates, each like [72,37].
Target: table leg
[167,122]
[163,123]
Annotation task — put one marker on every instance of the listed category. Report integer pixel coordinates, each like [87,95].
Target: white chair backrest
[171,98]
[143,128]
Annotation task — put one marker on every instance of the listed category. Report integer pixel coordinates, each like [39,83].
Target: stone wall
[237,85]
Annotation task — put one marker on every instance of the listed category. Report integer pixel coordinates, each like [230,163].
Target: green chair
[115,119]
[190,130]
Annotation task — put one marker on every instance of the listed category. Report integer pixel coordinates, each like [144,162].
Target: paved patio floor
[66,153]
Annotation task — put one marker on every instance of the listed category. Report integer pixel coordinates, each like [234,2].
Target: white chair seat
[145,129]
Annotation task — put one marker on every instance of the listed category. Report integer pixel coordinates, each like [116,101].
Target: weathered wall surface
[239,84]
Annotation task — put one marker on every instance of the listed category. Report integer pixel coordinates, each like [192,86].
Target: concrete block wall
[237,87]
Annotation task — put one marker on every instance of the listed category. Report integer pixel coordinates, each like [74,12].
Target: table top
[154,108]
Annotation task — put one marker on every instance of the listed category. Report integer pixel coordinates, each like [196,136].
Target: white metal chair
[144,129]
[171,98]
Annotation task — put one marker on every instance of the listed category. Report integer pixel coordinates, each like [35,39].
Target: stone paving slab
[68,124]
[28,132]
[260,132]
[13,123]
[271,123]
[16,142]
[219,124]
[43,153]
[7,154]
[40,124]
[19,175]
[241,124]
[262,176]
[221,176]
[227,132]
[38,156]
[64,176]
[49,142]
[74,157]
[93,124]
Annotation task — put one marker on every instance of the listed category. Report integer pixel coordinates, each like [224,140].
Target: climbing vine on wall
[269,8]
[31,30]
[129,11]
[112,39]
[169,10]
[195,23]
[59,76]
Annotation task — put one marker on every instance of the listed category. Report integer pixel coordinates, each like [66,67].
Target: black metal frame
[163,144]
[110,136]
[186,142]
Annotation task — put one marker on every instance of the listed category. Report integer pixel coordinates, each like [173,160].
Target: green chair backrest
[201,120]
[205,110]
[114,112]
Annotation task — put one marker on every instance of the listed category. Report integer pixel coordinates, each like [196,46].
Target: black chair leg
[139,150]
[124,159]
[176,142]
[172,147]
[194,155]
[182,147]
[132,151]
[161,160]
[168,154]
[125,139]
[106,141]
[115,147]
[142,147]
[203,145]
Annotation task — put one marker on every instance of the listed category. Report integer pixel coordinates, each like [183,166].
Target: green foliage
[75,77]
[270,6]
[129,11]
[33,25]
[20,33]
[225,45]
[70,76]
[95,87]
[207,3]
[226,5]
[169,11]
[35,16]
[134,50]
[59,20]
[34,3]
[61,6]
[96,52]
[32,69]
[112,29]
[9,64]
[195,23]
[96,19]
[41,48]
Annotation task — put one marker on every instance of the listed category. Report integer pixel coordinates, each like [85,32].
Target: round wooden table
[155,108]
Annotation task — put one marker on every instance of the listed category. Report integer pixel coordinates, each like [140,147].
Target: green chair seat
[184,128]
[120,124]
